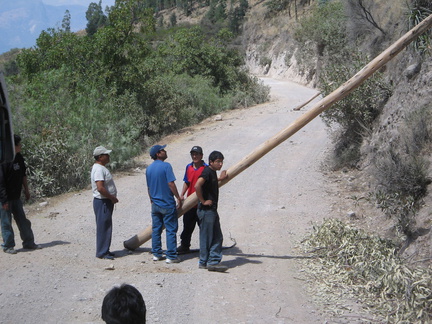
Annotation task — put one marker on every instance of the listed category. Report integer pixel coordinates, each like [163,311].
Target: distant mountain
[21,21]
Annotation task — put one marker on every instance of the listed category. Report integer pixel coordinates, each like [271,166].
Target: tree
[173,19]
[220,12]
[364,12]
[95,18]
[66,21]
[274,7]
[188,51]
[236,15]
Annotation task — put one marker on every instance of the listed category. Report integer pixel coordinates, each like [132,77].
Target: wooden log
[304,104]
[340,93]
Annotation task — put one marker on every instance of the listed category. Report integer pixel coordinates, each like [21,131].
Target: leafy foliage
[355,113]
[95,18]
[120,87]
[276,6]
[188,52]
[417,12]
[403,174]
[325,29]
[402,171]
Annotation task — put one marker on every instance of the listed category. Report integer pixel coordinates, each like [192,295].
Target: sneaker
[202,266]
[183,249]
[10,250]
[32,247]
[158,258]
[107,257]
[217,267]
[176,260]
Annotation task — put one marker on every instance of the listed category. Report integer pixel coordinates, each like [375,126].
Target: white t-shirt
[101,173]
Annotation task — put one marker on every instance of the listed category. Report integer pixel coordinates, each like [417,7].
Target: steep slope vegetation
[396,150]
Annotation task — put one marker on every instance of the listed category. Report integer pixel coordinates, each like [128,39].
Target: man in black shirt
[12,180]
[207,191]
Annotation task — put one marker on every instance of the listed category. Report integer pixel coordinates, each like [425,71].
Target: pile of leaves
[348,264]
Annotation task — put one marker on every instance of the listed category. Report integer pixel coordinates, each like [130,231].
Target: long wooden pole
[340,93]
[305,103]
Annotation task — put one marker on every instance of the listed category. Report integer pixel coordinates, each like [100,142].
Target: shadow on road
[49,244]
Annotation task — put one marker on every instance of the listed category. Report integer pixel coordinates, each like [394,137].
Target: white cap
[101,150]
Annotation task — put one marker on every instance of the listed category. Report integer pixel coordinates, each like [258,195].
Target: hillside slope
[270,51]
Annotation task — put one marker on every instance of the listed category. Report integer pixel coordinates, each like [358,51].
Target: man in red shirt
[190,218]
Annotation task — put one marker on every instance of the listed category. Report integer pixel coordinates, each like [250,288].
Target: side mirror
[7,146]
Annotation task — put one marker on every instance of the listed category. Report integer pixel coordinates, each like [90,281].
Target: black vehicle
[7,148]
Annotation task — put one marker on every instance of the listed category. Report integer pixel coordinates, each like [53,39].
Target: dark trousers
[103,209]
[211,237]
[190,219]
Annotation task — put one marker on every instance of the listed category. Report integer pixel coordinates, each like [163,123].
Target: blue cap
[155,149]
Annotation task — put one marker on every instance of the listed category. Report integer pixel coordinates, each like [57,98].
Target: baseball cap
[197,149]
[101,150]
[155,149]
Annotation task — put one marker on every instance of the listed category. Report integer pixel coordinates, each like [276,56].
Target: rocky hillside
[270,51]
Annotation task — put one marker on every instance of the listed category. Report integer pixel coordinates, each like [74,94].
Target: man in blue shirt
[162,189]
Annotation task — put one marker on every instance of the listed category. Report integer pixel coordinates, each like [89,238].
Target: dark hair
[124,305]
[17,139]
[215,155]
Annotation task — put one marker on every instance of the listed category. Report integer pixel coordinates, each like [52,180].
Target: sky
[22,21]
[78,2]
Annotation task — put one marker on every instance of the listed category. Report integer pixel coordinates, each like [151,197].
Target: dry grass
[351,265]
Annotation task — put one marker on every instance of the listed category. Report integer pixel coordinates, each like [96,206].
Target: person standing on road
[190,218]
[13,179]
[162,189]
[207,191]
[104,199]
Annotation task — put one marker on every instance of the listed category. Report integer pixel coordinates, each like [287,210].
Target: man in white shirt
[104,198]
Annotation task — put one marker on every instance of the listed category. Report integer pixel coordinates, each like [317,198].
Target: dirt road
[267,209]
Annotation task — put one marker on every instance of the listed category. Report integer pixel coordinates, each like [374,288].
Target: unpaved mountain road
[267,209]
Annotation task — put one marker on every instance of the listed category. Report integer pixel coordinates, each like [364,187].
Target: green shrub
[355,113]
[74,93]
[417,12]
[402,171]
[252,93]
[176,101]
[54,166]
[274,7]
[265,61]
[325,27]
[403,168]
[403,174]
[60,130]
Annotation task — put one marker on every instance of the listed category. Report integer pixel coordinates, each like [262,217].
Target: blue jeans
[24,225]
[164,217]
[103,209]
[210,236]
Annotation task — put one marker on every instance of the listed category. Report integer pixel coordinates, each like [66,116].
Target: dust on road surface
[267,209]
